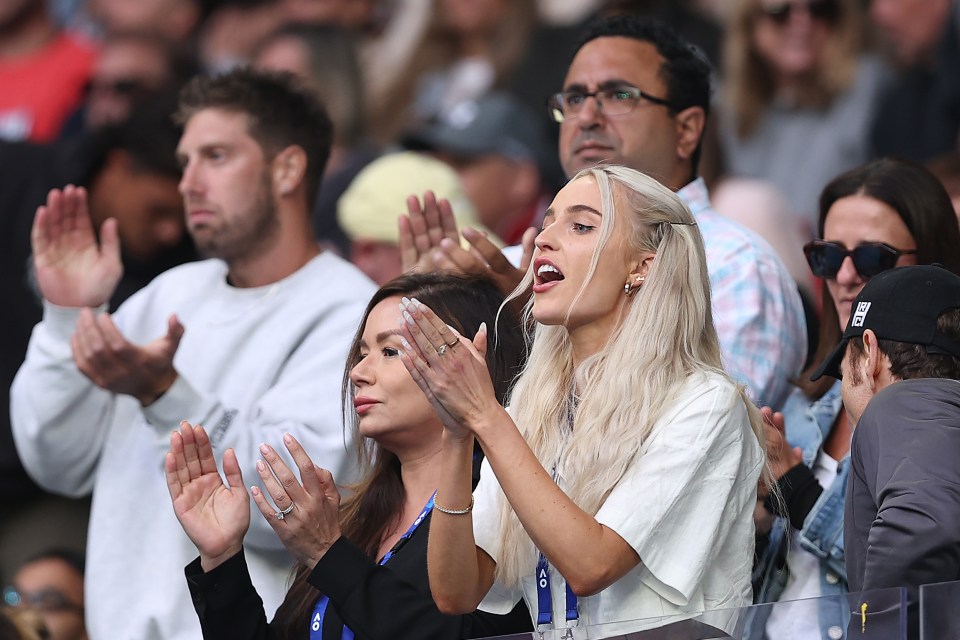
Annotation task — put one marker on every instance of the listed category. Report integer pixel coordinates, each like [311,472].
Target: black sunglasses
[825,10]
[869,259]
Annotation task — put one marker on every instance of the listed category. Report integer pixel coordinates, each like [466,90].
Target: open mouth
[547,275]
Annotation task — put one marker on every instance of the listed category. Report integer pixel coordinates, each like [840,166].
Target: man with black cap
[899,360]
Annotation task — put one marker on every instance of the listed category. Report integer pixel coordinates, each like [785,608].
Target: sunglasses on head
[779,13]
[869,259]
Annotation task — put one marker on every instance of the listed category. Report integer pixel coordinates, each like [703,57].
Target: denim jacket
[808,424]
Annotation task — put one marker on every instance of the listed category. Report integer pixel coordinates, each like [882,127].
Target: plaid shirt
[756,305]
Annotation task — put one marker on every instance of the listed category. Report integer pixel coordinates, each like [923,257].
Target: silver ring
[284,512]
[442,350]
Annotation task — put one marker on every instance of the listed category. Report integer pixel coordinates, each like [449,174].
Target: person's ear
[289,169]
[874,361]
[638,273]
[689,127]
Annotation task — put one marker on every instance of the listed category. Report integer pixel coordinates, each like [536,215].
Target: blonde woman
[621,484]
[798,98]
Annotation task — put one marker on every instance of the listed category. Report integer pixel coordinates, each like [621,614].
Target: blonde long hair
[750,87]
[666,335]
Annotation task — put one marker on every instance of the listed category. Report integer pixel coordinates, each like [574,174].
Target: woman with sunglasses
[884,214]
[798,97]
[362,562]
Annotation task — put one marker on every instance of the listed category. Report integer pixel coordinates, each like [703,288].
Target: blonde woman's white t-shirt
[685,505]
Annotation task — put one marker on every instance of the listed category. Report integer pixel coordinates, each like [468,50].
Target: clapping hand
[72,269]
[306,516]
[422,230]
[450,369]
[780,455]
[114,363]
[214,516]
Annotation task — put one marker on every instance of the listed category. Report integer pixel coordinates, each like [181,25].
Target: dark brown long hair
[924,206]
[375,504]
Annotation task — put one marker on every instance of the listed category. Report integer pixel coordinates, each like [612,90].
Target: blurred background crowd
[448,95]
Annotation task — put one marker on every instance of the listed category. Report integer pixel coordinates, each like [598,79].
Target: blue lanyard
[320,610]
[545,597]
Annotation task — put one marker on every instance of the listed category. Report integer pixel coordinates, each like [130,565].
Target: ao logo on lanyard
[320,610]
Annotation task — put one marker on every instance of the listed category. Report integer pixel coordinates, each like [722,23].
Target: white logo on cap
[463,115]
[860,314]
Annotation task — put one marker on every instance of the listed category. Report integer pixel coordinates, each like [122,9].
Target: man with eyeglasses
[51,583]
[637,94]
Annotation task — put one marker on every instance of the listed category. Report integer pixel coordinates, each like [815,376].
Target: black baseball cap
[902,305]
[496,123]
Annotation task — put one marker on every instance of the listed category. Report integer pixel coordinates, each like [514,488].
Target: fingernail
[437,256]
[264,448]
[261,466]
[408,317]
[404,301]
[288,438]
[483,327]
[418,303]
[403,341]
[254,490]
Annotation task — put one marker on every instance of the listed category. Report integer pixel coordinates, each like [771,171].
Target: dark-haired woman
[883,214]
[361,563]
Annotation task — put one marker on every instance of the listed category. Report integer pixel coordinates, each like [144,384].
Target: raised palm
[73,270]
[213,515]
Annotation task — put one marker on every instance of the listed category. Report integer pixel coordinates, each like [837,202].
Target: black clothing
[902,512]
[390,602]
[918,116]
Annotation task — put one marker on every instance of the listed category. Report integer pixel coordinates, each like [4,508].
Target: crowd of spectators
[792,128]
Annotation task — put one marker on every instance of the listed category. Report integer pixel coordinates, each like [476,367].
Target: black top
[390,602]
[902,516]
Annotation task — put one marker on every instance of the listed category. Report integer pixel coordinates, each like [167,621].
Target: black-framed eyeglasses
[44,600]
[612,101]
[869,259]
[823,10]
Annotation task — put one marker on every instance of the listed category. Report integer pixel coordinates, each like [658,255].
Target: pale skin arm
[590,556]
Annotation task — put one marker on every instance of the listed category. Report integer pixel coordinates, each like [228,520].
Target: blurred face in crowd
[124,72]
[790,35]
[146,205]
[472,16]
[285,54]
[55,590]
[170,18]
[852,221]
[645,138]
[391,407]
[226,186]
[911,27]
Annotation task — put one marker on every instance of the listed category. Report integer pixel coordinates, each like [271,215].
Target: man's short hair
[909,361]
[915,313]
[281,111]
[685,69]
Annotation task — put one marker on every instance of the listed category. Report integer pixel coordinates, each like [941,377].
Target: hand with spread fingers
[72,269]
[114,363]
[484,258]
[449,368]
[422,230]
[214,516]
[306,515]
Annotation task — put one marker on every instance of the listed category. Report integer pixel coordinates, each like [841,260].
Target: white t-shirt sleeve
[675,503]
[486,532]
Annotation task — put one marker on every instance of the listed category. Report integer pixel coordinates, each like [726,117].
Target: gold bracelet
[453,512]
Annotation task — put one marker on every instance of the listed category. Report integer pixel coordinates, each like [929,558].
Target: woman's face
[851,221]
[790,35]
[392,409]
[564,249]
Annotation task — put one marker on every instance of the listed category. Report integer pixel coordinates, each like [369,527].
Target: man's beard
[248,235]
